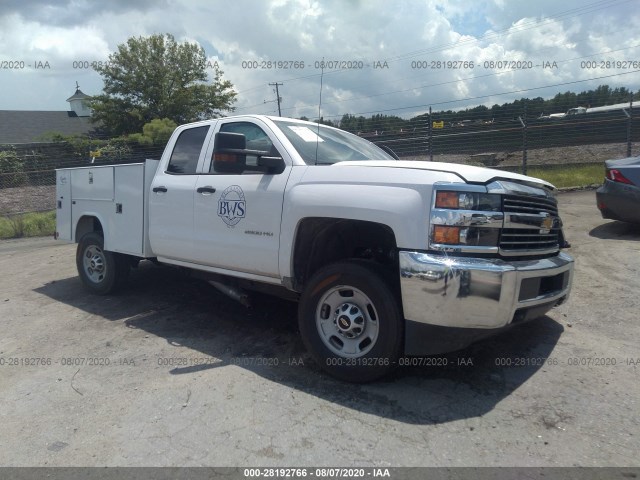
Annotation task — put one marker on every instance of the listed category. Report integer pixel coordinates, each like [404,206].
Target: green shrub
[11,169]
[116,149]
[156,132]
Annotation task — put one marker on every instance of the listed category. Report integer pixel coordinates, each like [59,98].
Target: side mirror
[272,165]
[230,156]
[229,141]
[228,152]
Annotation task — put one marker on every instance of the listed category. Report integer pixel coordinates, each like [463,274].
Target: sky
[381,56]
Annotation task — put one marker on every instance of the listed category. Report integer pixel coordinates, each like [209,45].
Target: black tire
[358,344]
[101,272]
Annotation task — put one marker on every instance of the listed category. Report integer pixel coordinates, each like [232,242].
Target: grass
[36,224]
[578,176]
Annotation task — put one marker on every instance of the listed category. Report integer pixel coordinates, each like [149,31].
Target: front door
[237,216]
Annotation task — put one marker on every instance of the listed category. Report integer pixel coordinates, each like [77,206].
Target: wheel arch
[320,241]
[88,223]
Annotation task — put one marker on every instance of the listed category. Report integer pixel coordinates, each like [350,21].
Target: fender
[397,198]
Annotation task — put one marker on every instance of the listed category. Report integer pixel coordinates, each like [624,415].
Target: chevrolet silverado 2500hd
[386,257]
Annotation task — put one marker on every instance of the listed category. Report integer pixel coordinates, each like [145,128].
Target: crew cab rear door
[238,215]
[171,200]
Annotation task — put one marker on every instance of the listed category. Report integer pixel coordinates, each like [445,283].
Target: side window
[257,139]
[186,152]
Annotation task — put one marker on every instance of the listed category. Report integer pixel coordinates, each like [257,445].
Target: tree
[156,132]
[156,77]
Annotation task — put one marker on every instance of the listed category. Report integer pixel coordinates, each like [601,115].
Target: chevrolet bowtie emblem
[546,225]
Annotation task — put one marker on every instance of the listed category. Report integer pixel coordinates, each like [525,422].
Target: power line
[419,87]
[491,95]
[523,26]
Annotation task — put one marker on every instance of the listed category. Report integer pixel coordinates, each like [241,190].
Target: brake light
[615,176]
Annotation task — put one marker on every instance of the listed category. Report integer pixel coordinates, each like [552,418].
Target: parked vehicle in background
[578,111]
[386,257]
[619,197]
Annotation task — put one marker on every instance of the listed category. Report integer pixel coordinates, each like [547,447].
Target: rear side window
[185,155]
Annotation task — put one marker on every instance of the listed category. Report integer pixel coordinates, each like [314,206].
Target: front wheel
[350,322]
[101,272]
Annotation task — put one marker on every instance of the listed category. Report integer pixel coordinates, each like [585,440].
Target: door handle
[207,189]
[159,189]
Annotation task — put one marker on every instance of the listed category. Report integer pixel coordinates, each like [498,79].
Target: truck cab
[202,197]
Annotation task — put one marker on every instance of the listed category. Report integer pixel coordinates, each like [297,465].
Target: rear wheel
[350,322]
[101,272]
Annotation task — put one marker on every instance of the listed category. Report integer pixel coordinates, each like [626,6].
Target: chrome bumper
[484,293]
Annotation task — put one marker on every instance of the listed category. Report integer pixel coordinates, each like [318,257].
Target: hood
[468,173]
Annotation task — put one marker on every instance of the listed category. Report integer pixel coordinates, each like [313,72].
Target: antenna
[319,108]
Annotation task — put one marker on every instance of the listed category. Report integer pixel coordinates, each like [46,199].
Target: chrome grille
[527,239]
[528,204]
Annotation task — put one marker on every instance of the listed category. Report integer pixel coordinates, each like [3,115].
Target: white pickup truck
[387,258]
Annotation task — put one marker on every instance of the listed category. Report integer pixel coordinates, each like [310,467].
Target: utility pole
[629,122]
[523,122]
[277,95]
[430,133]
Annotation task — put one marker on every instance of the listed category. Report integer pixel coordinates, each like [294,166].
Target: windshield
[325,146]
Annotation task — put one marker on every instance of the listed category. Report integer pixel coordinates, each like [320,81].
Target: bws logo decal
[232,207]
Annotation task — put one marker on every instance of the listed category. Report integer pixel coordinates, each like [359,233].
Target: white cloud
[371,32]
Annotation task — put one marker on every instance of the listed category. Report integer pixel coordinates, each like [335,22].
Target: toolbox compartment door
[128,210]
[63,205]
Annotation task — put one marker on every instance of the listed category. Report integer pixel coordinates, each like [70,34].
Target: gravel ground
[172,373]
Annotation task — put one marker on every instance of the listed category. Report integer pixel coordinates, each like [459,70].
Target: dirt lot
[172,373]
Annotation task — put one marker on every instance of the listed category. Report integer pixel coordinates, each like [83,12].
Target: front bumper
[467,298]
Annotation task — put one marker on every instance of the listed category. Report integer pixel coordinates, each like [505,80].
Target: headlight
[467,201]
[466,221]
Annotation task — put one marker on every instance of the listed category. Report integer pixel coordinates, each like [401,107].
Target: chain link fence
[516,142]
[27,171]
